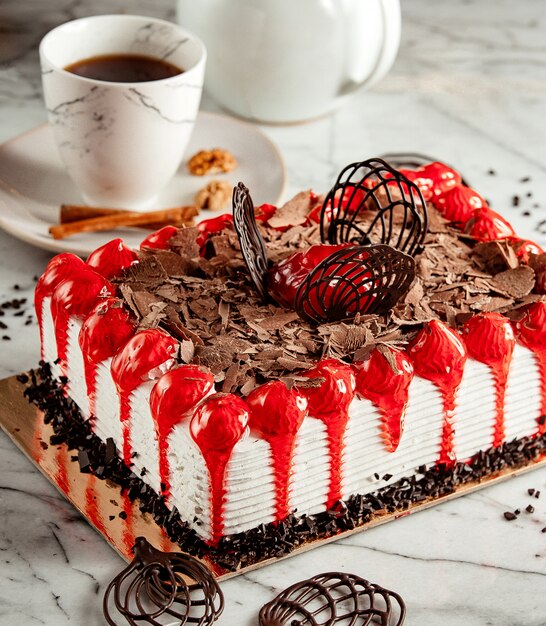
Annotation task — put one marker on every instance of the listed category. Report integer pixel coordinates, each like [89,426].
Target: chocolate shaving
[294,212]
[517,282]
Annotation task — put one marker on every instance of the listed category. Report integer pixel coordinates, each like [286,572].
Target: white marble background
[470,87]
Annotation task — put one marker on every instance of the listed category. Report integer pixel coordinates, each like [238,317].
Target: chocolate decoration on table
[334,598]
[250,239]
[155,585]
[395,203]
[357,279]
[412,161]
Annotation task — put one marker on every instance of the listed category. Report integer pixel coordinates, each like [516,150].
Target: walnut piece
[213,161]
[214,196]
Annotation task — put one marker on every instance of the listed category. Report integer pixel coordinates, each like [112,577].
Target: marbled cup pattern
[121,142]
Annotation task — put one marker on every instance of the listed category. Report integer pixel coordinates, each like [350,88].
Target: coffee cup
[121,142]
[286,61]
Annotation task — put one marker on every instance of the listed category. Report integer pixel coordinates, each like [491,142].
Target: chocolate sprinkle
[334,598]
[530,508]
[510,516]
[159,581]
[274,539]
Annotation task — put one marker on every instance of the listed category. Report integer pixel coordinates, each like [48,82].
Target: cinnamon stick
[115,219]
[77,212]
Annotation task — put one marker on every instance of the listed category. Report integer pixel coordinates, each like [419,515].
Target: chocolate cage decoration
[395,204]
[357,279]
[334,598]
[250,239]
[163,586]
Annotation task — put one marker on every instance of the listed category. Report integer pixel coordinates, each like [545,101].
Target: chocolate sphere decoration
[359,279]
[160,587]
[395,205]
[250,239]
[334,598]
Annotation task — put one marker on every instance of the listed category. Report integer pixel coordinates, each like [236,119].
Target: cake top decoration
[334,598]
[163,585]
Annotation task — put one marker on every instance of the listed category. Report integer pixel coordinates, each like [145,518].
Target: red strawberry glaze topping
[350,201]
[489,339]
[105,330]
[217,425]
[439,355]
[146,355]
[213,225]
[172,400]
[524,249]
[265,212]
[109,260]
[459,204]
[76,296]
[488,225]
[277,413]
[388,389]
[531,332]
[285,277]
[58,269]
[330,403]
[159,240]
[443,178]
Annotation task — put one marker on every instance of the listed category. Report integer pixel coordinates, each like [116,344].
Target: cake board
[112,514]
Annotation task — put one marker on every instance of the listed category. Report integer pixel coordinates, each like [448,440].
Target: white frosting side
[250,497]
[76,387]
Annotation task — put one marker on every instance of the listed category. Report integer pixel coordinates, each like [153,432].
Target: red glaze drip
[439,355]
[128,530]
[92,510]
[388,389]
[285,277]
[105,330]
[330,404]
[61,469]
[531,332]
[217,425]
[159,240]
[490,340]
[488,225]
[207,228]
[58,269]
[459,204]
[112,258]
[172,400]
[145,352]
[277,413]
[525,249]
[76,296]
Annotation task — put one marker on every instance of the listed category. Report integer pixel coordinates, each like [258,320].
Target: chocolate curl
[390,199]
[250,239]
[361,279]
[334,598]
[155,586]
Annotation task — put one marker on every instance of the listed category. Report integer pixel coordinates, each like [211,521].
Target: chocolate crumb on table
[510,516]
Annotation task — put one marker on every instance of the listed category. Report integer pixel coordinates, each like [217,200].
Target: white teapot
[292,60]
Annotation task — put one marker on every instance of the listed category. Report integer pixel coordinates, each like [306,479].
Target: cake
[310,365]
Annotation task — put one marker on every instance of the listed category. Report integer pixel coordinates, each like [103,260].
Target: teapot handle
[389,17]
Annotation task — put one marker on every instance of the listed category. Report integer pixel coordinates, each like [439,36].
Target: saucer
[34,183]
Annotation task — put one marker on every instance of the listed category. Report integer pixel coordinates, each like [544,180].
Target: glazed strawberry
[488,225]
[213,225]
[531,328]
[285,277]
[443,177]
[385,382]
[525,249]
[276,410]
[159,240]
[219,423]
[424,183]
[458,204]
[350,201]
[112,258]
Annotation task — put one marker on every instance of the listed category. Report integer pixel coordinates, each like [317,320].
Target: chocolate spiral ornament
[372,201]
[334,598]
[357,279]
[159,587]
[250,239]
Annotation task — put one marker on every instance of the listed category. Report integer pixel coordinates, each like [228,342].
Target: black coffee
[124,68]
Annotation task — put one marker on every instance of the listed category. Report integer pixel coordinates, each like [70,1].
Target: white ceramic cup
[121,142]
[291,60]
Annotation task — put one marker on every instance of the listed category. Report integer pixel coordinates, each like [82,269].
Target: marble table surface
[468,86]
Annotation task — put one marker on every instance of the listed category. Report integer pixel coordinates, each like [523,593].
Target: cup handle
[389,16]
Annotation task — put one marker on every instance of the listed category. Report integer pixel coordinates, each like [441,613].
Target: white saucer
[34,183]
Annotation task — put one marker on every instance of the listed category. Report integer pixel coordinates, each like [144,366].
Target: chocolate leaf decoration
[395,205]
[163,585]
[334,598]
[357,279]
[412,160]
[250,239]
